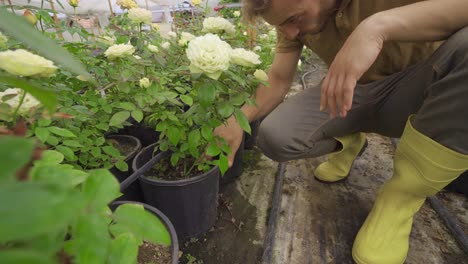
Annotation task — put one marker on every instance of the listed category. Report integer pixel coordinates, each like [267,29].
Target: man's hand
[356,56]
[233,134]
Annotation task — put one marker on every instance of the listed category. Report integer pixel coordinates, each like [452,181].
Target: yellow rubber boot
[338,165]
[422,167]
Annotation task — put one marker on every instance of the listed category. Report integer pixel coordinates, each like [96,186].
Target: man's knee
[272,142]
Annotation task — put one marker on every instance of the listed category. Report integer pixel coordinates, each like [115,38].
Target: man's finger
[331,100]
[323,95]
[339,90]
[350,84]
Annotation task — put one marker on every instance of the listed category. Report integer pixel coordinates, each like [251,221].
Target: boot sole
[345,178]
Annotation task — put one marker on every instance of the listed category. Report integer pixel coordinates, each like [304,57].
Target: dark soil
[234,238]
[163,170]
[150,253]
[125,147]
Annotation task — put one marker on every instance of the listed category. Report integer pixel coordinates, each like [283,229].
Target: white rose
[137,57]
[140,15]
[209,54]
[236,13]
[171,34]
[145,82]
[155,27]
[3,40]
[272,33]
[119,50]
[218,25]
[24,63]
[263,36]
[245,57]
[106,40]
[261,75]
[299,64]
[126,4]
[153,48]
[257,48]
[185,38]
[165,45]
[28,102]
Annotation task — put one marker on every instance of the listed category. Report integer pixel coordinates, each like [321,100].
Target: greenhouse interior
[127,135]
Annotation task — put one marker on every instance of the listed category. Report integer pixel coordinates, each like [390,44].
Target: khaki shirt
[394,57]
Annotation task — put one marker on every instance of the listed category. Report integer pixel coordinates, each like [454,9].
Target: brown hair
[252,9]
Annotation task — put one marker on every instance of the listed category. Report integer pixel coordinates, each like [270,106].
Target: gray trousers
[436,90]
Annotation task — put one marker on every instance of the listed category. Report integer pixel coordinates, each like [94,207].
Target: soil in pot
[163,170]
[149,253]
[125,147]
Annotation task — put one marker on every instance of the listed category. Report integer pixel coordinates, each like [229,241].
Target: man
[388,75]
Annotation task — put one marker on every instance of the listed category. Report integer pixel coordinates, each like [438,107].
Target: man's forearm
[267,98]
[422,21]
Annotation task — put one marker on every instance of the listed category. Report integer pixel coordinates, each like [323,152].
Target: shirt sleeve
[284,45]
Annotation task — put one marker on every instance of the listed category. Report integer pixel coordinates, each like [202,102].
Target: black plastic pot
[132,192]
[145,134]
[251,140]
[164,219]
[191,204]
[237,166]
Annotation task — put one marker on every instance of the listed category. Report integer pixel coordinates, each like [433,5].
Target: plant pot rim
[167,223]
[182,182]
[136,149]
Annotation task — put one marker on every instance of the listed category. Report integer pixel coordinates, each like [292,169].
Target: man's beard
[324,17]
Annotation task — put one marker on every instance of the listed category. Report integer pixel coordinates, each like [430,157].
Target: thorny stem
[19,106]
[11,6]
[110,85]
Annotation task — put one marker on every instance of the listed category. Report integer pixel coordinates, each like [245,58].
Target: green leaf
[206,94]
[186,99]
[242,120]
[46,97]
[30,36]
[213,150]
[50,207]
[100,188]
[61,132]
[127,106]
[64,175]
[121,165]
[137,115]
[90,239]
[50,157]
[225,109]
[72,143]
[123,250]
[135,219]
[22,256]
[44,122]
[15,152]
[42,133]
[52,140]
[223,164]
[174,159]
[173,133]
[207,132]
[110,150]
[118,118]
[103,127]
[194,138]
[67,152]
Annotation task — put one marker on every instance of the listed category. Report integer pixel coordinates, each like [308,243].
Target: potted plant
[184,184]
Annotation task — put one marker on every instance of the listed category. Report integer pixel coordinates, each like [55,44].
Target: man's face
[298,17]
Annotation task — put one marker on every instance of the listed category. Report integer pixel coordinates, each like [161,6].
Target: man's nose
[290,31]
